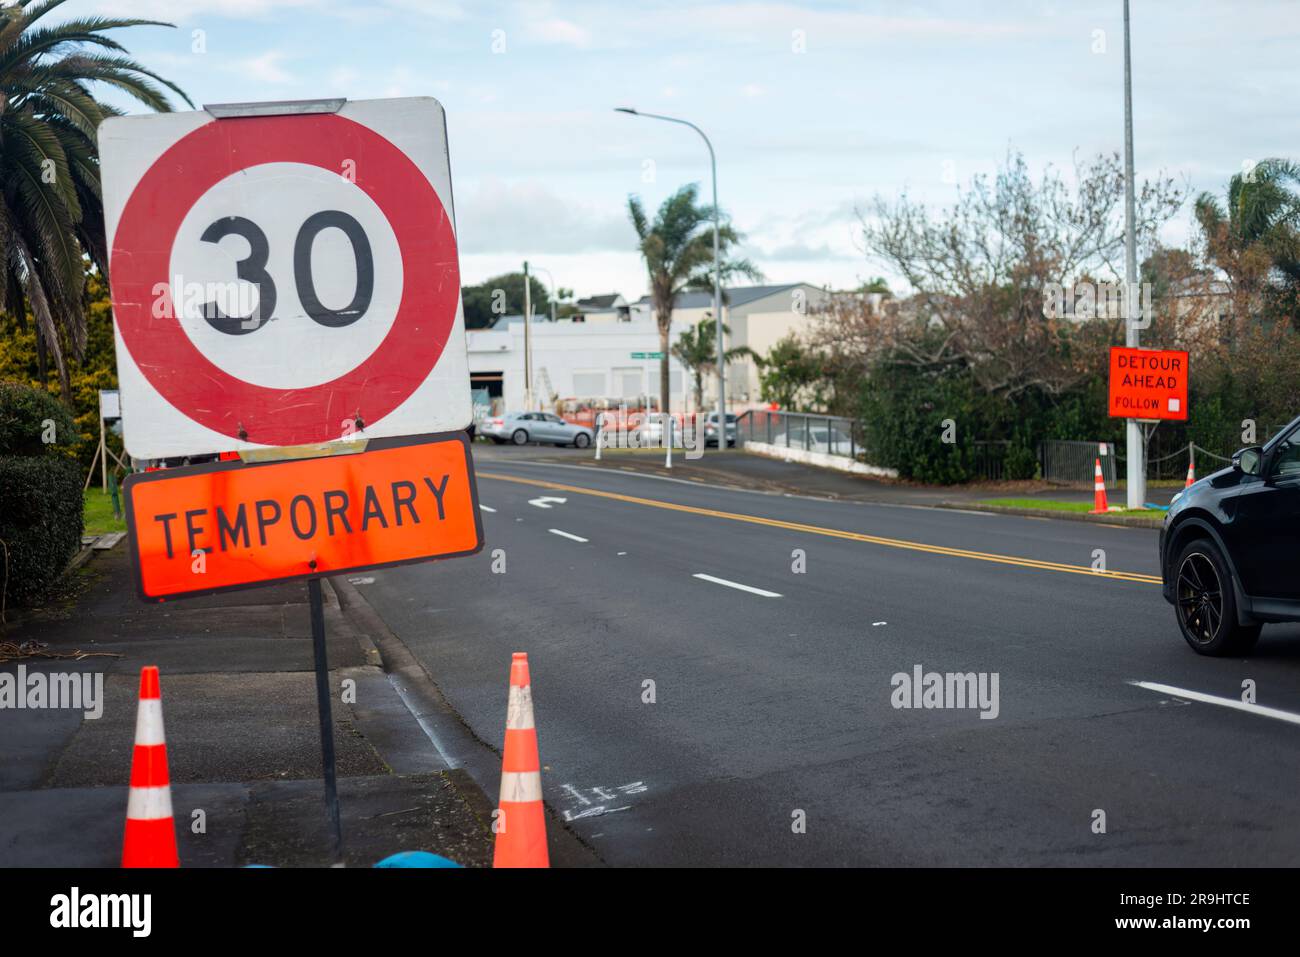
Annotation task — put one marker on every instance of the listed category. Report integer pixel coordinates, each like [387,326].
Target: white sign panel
[284,278]
[109,405]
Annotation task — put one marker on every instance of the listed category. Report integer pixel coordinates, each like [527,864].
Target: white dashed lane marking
[737,585]
[1234,703]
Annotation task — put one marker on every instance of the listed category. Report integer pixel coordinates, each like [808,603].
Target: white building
[610,307]
[758,317]
[604,356]
[573,362]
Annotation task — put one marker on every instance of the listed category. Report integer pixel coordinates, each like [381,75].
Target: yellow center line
[834,532]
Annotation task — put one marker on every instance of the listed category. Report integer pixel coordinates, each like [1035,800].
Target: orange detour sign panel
[229,525]
[1148,384]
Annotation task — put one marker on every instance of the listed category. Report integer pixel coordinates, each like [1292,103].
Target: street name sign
[284,277]
[647,355]
[1148,384]
[234,524]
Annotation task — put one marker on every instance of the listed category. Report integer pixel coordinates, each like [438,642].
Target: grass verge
[1055,505]
[97,512]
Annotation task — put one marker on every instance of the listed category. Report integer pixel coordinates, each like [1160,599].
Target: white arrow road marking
[1233,703]
[546,500]
[594,812]
[736,585]
[486,509]
[576,538]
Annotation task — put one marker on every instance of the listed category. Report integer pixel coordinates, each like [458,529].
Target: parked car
[520,428]
[819,438]
[1228,548]
[711,429]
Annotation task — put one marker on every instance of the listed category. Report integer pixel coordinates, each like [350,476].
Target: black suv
[1230,548]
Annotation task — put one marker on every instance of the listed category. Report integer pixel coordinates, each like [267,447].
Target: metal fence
[828,434]
[989,459]
[1075,463]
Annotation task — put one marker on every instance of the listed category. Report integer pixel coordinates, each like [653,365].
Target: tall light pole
[528,341]
[552,280]
[1137,472]
[717,270]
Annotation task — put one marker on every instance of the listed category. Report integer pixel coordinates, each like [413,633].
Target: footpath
[243,738]
[735,468]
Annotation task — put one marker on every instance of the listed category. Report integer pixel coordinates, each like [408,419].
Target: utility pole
[528,341]
[1137,471]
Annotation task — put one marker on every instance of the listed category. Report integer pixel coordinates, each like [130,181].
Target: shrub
[40,492]
[40,523]
[31,421]
[903,411]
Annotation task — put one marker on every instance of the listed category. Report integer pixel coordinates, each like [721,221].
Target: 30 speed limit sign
[284,278]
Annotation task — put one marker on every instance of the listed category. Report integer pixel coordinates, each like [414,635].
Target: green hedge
[40,492]
[903,409]
[33,422]
[40,523]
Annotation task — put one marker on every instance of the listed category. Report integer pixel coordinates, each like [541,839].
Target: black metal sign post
[326,719]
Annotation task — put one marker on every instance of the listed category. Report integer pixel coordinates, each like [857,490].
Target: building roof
[606,301]
[732,295]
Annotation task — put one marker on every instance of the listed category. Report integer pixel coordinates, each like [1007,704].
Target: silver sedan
[520,428]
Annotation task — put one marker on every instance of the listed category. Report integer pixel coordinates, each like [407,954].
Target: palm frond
[122,72]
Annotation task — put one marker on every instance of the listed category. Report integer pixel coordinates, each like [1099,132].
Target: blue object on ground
[416,859]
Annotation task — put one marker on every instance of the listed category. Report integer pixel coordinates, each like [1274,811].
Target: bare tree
[979,270]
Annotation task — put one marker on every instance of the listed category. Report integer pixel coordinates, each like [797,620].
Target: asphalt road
[776,706]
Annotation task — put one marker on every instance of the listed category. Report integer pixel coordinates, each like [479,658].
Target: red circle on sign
[211,396]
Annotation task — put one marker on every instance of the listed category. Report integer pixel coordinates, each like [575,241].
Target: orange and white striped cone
[1191,473]
[150,831]
[1099,492]
[521,821]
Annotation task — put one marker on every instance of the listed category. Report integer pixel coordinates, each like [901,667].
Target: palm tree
[697,349]
[678,252]
[1256,239]
[51,211]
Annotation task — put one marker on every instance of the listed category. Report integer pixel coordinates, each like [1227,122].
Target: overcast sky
[812,108]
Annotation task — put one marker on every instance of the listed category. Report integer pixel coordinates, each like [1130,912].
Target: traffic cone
[1099,492]
[521,824]
[150,832]
[1191,473]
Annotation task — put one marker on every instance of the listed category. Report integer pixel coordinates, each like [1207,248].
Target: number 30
[253,270]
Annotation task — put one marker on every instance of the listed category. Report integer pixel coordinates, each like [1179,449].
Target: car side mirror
[1248,460]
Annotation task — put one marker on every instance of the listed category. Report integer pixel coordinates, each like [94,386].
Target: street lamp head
[625,109]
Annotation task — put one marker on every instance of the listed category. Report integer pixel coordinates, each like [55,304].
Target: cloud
[530,219]
[265,68]
[564,32]
[185,10]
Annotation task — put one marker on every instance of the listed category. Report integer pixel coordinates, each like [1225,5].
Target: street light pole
[717,269]
[1137,473]
[528,341]
[552,280]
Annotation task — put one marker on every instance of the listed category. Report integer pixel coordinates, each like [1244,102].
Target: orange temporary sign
[231,525]
[1148,384]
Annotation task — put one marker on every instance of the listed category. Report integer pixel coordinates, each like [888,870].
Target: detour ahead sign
[1148,384]
[230,525]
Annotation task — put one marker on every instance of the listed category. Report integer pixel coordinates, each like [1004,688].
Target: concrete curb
[474,766]
[1131,521]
